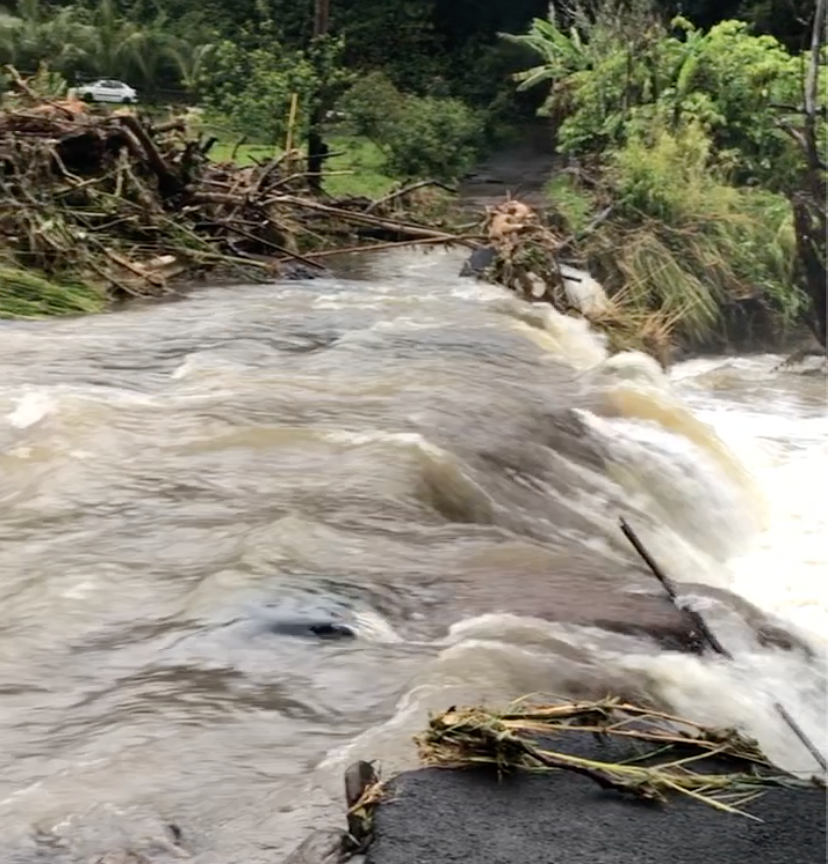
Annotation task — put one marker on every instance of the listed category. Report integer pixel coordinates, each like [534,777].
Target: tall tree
[809,202]
[317,149]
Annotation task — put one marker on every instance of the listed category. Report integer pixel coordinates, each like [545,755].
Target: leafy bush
[617,73]
[436,138]
[373,106]
[421,136]
[669,176]
[688,243]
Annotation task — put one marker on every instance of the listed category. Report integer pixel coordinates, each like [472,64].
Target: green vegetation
[420,136]
[356,166]
[27,294]
[682,131]
[680,127]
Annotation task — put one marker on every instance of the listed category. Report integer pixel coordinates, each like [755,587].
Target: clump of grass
[28,294]
[669,747]
[631,328]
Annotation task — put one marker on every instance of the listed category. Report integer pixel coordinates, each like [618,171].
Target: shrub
[373,106]
[436,138]
[420,136]
[692,244]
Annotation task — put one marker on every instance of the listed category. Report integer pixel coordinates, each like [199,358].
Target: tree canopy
[422,45]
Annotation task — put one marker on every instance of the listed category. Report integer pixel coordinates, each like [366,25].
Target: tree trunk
[317,149]
[809,203]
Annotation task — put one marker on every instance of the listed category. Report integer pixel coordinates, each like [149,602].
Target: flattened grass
[28,294]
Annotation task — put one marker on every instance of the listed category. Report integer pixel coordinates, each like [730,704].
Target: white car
[108,90]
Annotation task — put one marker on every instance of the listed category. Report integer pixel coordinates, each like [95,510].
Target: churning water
[435,462]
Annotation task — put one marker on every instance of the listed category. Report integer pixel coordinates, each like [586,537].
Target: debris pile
[650,754]
[114,200]
[528,257]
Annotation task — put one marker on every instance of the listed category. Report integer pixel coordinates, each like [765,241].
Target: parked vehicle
[107,90]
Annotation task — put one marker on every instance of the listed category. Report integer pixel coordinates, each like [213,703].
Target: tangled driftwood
[121,201]
[526,259]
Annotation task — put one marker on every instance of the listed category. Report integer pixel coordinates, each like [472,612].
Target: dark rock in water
[478,261]
[303,617]
[445,816]
[333,630]
[295,270]
[322,629]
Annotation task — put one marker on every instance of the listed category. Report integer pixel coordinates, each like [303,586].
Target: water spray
[701,632]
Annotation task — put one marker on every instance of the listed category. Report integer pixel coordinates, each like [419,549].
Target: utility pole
[317,149]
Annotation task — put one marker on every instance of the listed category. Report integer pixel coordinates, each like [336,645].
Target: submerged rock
[322,629]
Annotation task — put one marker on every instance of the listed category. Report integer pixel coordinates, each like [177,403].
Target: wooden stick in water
[711,639]
[809,745]
[700,625]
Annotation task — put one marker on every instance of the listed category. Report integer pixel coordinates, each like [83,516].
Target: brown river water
[431,460]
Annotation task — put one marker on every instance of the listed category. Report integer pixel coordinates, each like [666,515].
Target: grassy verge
[356,169]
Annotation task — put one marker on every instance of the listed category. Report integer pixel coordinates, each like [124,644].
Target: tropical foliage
[98,41]
[614,75]
[682,129]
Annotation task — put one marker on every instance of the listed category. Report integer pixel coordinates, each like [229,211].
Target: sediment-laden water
[431,460]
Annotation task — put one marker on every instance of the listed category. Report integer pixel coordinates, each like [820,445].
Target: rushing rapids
[190,489]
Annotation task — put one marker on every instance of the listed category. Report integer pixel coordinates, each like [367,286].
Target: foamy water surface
[423,457]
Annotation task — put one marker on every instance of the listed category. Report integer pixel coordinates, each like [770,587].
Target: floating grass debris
[663,754]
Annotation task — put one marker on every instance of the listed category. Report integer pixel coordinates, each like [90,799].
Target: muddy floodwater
[401,449]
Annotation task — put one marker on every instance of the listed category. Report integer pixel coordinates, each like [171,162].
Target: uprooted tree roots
[124,205]
[528,261]
[663,750]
